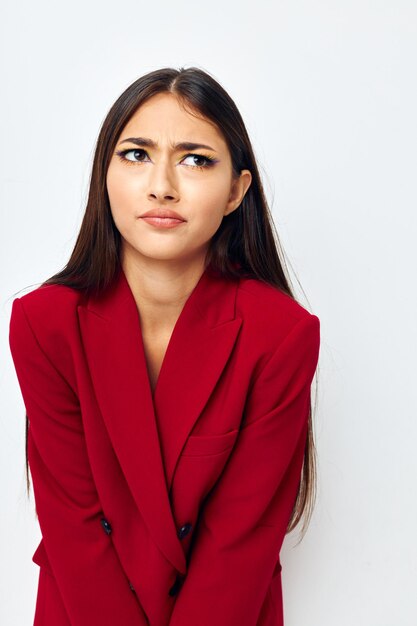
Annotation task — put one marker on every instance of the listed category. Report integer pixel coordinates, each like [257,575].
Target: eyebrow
[182,145]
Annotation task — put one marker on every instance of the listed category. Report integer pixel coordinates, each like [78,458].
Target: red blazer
[168,509]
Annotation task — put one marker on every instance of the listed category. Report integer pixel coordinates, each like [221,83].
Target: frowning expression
[169,159]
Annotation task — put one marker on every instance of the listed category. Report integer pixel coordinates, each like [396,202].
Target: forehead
[164,118]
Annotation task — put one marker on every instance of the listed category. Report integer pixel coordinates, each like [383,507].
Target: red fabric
[189,489]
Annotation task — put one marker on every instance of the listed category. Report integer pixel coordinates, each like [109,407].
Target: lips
[163,213]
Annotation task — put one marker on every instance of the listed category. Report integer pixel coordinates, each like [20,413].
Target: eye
[122,154]
[208,160]
[138,152]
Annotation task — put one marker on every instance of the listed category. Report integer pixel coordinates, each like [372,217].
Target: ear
[239,187]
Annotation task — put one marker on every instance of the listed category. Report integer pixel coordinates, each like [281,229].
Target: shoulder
[50,311]
[50,302]
[46,317]
[270,314]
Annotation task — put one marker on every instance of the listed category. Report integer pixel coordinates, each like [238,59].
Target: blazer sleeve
[244,520]
[93,586]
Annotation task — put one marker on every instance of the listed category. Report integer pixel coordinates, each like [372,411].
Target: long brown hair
[246,243]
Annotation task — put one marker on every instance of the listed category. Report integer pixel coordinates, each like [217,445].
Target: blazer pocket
[209,445]
[41,558]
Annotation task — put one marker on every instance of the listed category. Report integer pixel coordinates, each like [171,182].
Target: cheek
[121,190]
[210,204]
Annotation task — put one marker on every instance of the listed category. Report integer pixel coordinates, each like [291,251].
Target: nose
[162,180]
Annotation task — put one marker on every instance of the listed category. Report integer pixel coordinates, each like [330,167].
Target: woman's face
[142,177]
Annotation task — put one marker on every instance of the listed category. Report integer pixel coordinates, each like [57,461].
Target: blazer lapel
[198,350]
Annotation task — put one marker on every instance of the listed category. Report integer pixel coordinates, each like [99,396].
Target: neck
[160,288]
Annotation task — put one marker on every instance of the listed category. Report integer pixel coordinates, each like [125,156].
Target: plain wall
[328,93]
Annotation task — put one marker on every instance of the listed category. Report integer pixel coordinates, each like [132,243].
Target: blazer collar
[147,432]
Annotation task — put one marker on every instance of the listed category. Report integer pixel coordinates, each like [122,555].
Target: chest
[155,347]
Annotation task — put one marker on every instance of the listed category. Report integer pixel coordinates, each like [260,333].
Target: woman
[166,376]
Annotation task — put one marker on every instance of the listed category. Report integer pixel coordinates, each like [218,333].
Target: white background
[328,93]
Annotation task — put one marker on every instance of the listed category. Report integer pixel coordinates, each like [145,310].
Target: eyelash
[122,156]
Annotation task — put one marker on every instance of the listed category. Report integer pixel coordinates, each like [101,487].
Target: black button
[176,586]
[184,530]
[106,525]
